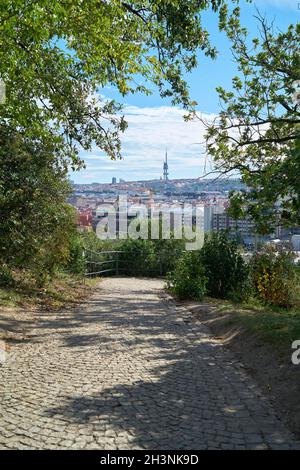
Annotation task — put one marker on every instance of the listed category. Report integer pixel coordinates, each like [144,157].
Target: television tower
[166,167]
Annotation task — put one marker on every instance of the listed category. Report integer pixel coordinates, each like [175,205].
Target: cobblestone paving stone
[127,370]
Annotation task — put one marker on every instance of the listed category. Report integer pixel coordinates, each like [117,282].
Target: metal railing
[95,258]
[111,263]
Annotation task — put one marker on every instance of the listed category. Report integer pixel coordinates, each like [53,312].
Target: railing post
[85,266]
[117,264]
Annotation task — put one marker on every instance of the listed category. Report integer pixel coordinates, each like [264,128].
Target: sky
[154,125]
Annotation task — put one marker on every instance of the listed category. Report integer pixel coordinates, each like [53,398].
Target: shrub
[167,252]
[149,257]
[36,220]
[187,280]
[83,253]
[274,275]
[225,268]
[6,277]
[138,258]
[76,259]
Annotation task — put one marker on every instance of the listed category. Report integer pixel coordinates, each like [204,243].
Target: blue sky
[154,124]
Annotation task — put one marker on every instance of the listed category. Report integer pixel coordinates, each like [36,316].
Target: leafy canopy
[55,57]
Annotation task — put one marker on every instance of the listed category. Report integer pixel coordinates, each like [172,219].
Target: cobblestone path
[127,370]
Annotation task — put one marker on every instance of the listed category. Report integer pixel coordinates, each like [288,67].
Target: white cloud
[150,131]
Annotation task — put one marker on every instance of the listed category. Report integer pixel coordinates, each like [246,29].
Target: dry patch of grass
[63,290]
[23,305]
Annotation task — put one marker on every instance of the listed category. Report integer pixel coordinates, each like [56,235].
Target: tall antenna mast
[166,167]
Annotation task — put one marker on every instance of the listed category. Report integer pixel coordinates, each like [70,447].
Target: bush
[138,258]
[83,253]
[167,253]
[225,269]
[187,280]
[36,220]
[273,276]
[6,277]
[149,257]
[76,259]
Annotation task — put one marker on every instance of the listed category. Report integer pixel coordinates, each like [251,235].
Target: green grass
[275,326]
[9,297]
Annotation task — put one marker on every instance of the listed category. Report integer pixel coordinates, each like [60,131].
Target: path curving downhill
[126,370]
